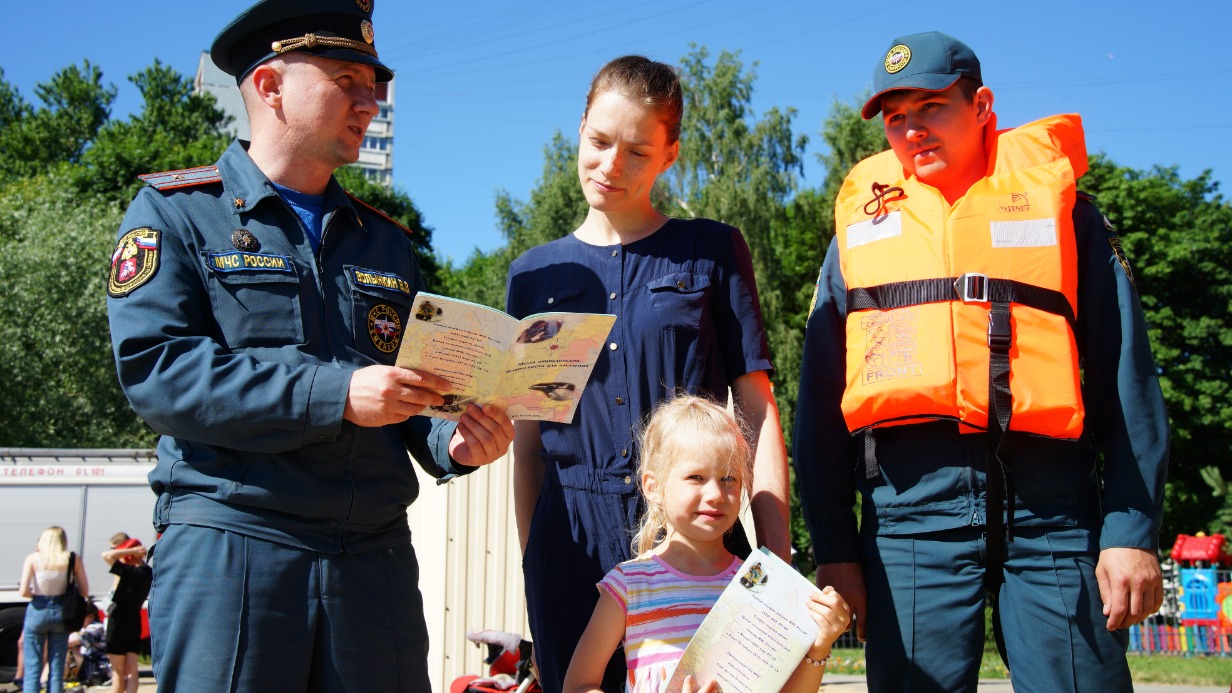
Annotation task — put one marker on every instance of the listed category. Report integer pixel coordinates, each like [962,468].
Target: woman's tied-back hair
[650,83]
[699,426]
[53,548]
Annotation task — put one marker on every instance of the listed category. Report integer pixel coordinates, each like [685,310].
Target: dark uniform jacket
[236,342]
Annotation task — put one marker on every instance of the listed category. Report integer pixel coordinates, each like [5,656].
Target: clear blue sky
[482,85]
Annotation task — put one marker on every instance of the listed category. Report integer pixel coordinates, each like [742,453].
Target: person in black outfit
[133,578]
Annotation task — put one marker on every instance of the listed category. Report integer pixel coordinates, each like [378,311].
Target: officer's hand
[483,436]
[1130,585]
[690,686]
[848,580]
[383,395]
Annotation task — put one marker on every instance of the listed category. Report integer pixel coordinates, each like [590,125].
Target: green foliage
[75,106]
[176,129]
[850,139]
[13,108]
[1220,488]
[1178,237]
[398,206]
[60,385]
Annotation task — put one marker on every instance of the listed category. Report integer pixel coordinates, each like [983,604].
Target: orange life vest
[938,294]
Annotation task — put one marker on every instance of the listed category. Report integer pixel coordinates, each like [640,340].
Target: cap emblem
[365,28]
[897,58]
[364,5]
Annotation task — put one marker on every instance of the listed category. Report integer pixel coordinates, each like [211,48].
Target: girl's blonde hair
[690,423]
[53,548]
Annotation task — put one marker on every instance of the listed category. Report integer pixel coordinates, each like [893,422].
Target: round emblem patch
[134,261]
[897,58]
[365,28]
[364,6]
[385,328]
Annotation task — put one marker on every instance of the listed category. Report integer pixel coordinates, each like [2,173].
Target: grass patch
[1165,669]
[1180,670]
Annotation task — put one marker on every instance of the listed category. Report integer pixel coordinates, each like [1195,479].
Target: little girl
[695,467]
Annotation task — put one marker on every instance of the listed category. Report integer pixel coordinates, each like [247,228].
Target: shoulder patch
[379,213]
[183,178]
[816,290]
[134,261]
[1115,242]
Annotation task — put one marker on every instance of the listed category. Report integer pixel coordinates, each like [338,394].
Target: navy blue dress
[688,320]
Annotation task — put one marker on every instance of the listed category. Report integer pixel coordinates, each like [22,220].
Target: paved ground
[833,684]
[856,684]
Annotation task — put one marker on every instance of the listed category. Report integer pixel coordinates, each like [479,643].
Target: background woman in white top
[44,577]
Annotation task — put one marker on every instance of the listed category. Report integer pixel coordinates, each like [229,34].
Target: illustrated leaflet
[536,368]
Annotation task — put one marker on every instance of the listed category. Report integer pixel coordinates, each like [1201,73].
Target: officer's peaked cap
[338,29]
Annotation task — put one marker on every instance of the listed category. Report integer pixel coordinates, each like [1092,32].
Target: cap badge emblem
[897,58]
[364,5]
[243,239]
[365,28]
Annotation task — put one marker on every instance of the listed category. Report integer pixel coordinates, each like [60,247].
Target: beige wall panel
[470,566]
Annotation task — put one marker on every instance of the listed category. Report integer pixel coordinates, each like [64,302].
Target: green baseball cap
[931,61]
[337,29]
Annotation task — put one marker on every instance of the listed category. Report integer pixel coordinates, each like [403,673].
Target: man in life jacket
[976,344]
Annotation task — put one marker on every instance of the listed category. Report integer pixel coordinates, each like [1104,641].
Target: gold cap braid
[312,40]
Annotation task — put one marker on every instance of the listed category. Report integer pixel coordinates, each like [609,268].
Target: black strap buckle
[1000,333]
[972,287]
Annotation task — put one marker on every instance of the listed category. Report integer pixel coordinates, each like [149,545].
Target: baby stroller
[509,665]
[95,669]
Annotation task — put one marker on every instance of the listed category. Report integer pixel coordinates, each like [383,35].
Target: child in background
[695,467]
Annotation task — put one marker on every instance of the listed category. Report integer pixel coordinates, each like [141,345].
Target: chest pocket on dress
[256,299]
[380,307]
[680,299]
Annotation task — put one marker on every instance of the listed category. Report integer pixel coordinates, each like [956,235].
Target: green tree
[850,139]
[75,106]
[1178,237]
[60,386]
[13,107]
[175,129]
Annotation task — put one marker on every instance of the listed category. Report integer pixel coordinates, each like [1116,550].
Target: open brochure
[757,633]
[536,368]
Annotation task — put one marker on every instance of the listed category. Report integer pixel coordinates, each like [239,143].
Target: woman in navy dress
[688,320]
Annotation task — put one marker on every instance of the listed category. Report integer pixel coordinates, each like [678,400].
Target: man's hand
[383,395]
[483,436]
[1131,585]
[848,580]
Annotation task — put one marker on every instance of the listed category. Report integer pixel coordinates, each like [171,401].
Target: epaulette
[381,214]
[170,180]
[1085,195]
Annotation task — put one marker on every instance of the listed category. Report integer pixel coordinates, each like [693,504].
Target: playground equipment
[1198,617]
